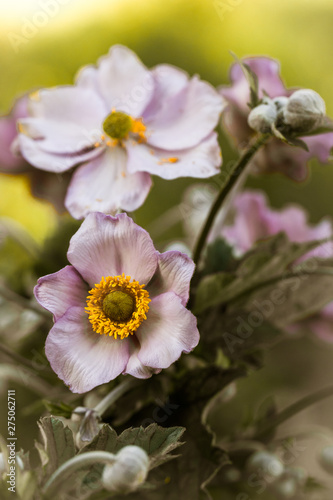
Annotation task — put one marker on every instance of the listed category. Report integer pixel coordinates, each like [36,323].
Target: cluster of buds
[272,474]
[301,113]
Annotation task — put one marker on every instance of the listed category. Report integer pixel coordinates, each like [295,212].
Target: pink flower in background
[118,124]
[276,156]
[254,221]
[43,184]
[119,307]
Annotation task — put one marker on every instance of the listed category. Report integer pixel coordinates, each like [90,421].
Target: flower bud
[263,116]
[266,463]
[326,459]
[304,111]
[285,487]
[129,470]
[88,422]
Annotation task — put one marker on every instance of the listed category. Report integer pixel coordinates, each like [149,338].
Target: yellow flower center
[117,306]
[118,125]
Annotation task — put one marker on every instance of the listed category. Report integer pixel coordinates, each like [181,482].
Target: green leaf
[219,257]
[59,409]
[262,265]
[293,299]
[157,441]
[58,444]
[252,80]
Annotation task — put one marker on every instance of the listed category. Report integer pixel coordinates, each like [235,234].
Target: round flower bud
[262,117]
[285,487]
[304,111]
[326,459]
[129,470]
[266,463]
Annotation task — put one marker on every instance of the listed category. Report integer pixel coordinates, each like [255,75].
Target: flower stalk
[293,410]
[114,395]
[234,175]
[51,488]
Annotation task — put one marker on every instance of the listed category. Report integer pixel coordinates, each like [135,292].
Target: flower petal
[52,162]
[169,82]
[173,274]
[9,162]
[110,246]
[103,185]
[82,358]
[135,367]
[169,330]
[269,81]
[121,79]
[201,161]
[59,291]
[188,117]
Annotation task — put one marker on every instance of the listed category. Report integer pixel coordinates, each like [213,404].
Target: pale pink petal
[169,82]
[59,291]
[110,246]
[82,358]
[200,161]
[104,185]
[189,117]
[173,274]
[169,330]
[134,366]
[121,79]
[52,162]
[269,80]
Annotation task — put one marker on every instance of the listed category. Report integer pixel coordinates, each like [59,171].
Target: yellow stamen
[139,128]
[168,160]
[102,323]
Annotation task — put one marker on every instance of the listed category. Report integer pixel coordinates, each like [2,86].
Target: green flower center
[117,125]
[118,306]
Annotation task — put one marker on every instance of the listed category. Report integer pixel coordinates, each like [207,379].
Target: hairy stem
[227,186]
[53,485]
[115,394]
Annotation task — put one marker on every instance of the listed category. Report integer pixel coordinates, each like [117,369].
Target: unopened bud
[129,470]
[285,487]
[304,111]
[326,459]
[262,117]
[88,422]
[267,463]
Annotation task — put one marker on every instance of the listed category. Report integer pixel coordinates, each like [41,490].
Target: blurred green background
[195,35]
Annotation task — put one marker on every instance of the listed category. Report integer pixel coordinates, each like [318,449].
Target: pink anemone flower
[118,124]
[119,307]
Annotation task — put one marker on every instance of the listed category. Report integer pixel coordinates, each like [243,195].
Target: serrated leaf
[298,297]
[58,444]
[157,441]
[264,263]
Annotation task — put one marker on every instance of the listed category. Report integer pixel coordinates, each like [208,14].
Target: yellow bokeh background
[44,43]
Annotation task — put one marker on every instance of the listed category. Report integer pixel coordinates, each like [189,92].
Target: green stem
[115,394]
[87,459]
[292,410]
[225,190]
